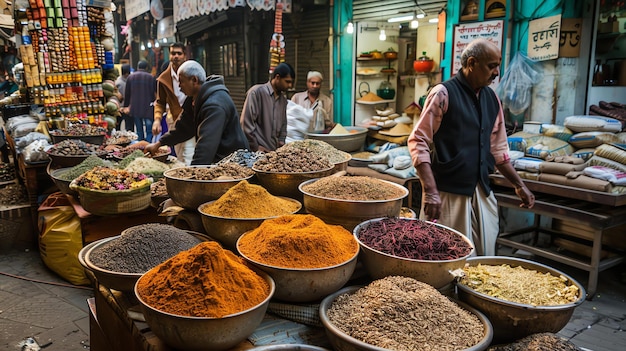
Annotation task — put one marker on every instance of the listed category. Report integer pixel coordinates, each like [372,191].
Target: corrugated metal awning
[376,10]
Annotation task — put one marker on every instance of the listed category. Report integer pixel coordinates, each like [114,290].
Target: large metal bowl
[512,321]
[342,341]
[435,273]
[351,142]
[306,284]
[117,280]
[286,184]
[227,230]
[288,347]
[112,280]
[204,333]
[343,165]
[191,193]
[350,213]
[62,184]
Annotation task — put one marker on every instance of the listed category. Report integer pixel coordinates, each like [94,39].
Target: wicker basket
[113,202]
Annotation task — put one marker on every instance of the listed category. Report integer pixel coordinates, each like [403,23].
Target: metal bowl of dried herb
[416,316]
[519,296]
[191,186]
[426,251]
[348,200]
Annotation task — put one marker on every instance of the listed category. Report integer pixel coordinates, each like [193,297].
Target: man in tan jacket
[170,99]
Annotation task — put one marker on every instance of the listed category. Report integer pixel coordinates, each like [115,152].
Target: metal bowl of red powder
[511,320]
[434,261]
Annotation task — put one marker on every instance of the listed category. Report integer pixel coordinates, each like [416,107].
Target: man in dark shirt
[139,100]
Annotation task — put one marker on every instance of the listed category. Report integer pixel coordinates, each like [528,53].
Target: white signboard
[467,32]
[543,38]
[135,8]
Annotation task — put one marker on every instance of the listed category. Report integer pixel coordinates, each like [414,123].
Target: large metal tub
[512,321]
[342,341]
[286,183]
[191,193]
[438,274]
[350,213]
[354,141]
[203,333]
[228,230]
[306,284]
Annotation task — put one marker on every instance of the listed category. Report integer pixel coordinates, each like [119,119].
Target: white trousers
[476,217]
[184,151]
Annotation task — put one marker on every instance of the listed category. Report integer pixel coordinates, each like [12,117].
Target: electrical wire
[45,282]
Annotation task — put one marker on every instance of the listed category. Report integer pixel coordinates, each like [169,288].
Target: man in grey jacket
[210,115]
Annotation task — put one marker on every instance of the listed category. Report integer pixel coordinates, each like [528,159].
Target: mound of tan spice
[538,342]
[246,200]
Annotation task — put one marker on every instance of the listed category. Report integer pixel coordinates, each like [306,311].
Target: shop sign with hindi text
[544,38]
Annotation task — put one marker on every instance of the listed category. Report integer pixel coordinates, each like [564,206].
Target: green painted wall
[343,61]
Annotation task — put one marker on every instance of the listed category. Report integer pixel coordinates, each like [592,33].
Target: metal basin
[350,213]
[342,341]
[116,280]
[204,333]
[288,347]
[112,280]
[228,230]
[191,193]
[343,165]
[306,284]
[62,184]
[353,141]
[511,320]
[435,273]
[286,184]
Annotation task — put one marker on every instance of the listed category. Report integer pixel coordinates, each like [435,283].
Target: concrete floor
[36,303]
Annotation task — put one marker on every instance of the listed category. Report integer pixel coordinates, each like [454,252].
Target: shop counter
[596,211]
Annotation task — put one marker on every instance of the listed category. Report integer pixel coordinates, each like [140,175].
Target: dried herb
[414,239]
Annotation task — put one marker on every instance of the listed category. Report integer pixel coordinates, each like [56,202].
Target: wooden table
[599,215]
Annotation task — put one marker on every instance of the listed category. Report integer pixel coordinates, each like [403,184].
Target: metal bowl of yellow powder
[546,297]
[191,193]
[227,230]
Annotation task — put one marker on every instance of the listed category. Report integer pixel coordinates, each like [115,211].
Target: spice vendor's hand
[263,149]
[527,197]
[152,148]
[156,127]
[432,206]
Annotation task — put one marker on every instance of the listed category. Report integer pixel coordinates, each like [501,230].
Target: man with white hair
[210,115]
[313,99]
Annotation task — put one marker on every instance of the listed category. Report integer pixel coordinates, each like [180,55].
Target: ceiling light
[350,28]
[143,47]
[420,15]
[433,20]
[382,35]
[400,19]
[414,24]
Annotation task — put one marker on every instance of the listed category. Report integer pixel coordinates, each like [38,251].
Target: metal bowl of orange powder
[290,255]
[214,331]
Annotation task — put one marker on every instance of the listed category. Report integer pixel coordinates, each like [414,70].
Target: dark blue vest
[461,151]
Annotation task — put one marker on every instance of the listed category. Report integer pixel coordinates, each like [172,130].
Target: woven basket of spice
[105,191]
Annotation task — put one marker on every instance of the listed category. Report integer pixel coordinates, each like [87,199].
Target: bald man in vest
[459,140]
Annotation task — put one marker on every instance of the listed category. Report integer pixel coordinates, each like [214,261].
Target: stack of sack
[587,152]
